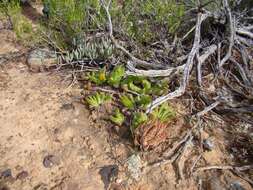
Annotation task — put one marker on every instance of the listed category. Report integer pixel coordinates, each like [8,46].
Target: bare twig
[232,33]
[244,32]
[188,66]
[237,168]
[209,108]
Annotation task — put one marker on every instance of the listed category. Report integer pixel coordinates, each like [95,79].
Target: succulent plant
[138,119]
[163,113]
[116,76]
[118,118]
[98,77]
[128,101]
[97,99]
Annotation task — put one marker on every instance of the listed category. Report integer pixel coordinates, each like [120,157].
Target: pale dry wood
[188,66]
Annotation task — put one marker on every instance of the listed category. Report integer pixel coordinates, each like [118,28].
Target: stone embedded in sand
[50,160]
[40,60]
[68,106]
[134,165]
[108,173]
[208,144]
[22,175]
[6,174]
[236,186]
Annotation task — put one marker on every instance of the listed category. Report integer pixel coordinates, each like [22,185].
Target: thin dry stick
[208,108]
[201,59]
[244,32]
[237,168]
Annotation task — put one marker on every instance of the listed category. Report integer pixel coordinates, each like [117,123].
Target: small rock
[22,175]
[6,174]
[134,166]
[41,59]
[208,144]
[108,173]
[50,160]
[67,106]
[236,186]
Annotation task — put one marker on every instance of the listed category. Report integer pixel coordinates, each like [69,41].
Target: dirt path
[41,119]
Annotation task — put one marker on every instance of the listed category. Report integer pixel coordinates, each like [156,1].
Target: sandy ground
[41,117]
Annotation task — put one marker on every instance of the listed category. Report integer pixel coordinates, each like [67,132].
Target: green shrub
[146,20]
[74,18]
[21,25]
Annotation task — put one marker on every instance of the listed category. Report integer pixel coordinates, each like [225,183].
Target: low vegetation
[134,95]
[11,10]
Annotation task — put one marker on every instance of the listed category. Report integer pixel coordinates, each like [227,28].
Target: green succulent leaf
[164,113]
[116,76]
[146,86]
[136,84]
[98,99]
[143,100]
[98,77]
[138,119]
[134,87]
[128,101]
[118,118]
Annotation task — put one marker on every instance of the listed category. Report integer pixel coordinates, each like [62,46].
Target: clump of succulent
[95,50]
[118,118]
[98,77]
[154,131]
[96,100]
[143,100]
[116,76]
[137,84]
[163,113]
[128,101]
[138,119]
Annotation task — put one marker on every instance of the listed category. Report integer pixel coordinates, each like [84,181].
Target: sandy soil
[41,117]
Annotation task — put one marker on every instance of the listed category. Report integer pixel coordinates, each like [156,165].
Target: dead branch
[232,33]
[152,73]
[188,66]
[244,32]
[208,108]
[201,59]
[237,168]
